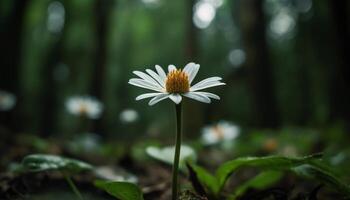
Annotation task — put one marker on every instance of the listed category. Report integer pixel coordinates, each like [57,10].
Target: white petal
[158,99]
[152,83]
[194,73]
[189,67]
[210,95]
[146,77]
[161,72]
[206,85]
[176,98]
[198,97]
[211,79]
[171,68]
[144,84]
[156,77]
[147,95]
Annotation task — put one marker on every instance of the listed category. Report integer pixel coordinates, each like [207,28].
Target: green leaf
[45,162]
[261,181]
[319,171]
[121,190]
[308,166]
[263,163]
[206,178]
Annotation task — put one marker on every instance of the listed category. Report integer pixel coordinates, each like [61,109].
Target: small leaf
[45,162]
[197,186]
[121,190]
[210,181]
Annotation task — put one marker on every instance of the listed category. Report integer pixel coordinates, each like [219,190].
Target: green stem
[72,186]
[177,150]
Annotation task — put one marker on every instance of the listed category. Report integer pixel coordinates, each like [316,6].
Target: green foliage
[318,170]
[121,190]
[208,180]
[306,166]
[45,162]
[261,181]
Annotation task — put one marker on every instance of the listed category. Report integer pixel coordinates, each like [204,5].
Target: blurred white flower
[128,116]
[282,23]
[204,13]
[237,57]
[56,17]
[220,132]
[7,101]
[289,150]
[166,154]
[84,106]
[85,143]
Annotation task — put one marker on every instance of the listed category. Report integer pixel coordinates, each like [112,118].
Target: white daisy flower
[128,116]
[220,132]
[175,84]
[84,106]
[7,101]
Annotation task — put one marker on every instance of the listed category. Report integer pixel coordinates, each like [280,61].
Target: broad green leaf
[44,162]
[317,170]
[308,166]
[121,190]
[263,163]
[261,181]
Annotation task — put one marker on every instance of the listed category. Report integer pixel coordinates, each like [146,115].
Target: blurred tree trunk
[260,73]
[49,93]
[191,34]
[10,36]
[304,49]
[103,9]
[193,117]
[340,82]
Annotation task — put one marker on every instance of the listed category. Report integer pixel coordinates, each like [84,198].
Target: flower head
[7,101]
[84,106]
[175,84]
[220,132]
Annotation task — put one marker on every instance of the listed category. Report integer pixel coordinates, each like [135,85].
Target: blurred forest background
[285,62]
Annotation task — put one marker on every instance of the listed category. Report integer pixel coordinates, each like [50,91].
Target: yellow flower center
[177,82]
[83,109]
[219,133]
